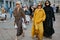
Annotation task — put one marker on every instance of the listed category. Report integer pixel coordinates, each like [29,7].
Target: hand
[53,19]
[25,21]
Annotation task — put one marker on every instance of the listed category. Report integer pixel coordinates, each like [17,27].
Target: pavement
[8,31]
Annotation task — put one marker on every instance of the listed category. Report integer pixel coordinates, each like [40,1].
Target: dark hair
[48,2]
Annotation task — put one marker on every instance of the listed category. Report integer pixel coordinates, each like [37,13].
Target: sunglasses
[39,5]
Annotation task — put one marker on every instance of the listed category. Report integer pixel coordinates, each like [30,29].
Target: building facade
[11,3]
[1,2]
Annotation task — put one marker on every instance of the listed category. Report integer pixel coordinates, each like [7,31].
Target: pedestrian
[10,12]
[38,18]
[57,9]
[48,23]
[19,14]
[3,10]
[32,9]
[27,13]
[31,12]
[4,16]
[54,8]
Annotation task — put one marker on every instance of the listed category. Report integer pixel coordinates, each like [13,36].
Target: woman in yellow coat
[38,18]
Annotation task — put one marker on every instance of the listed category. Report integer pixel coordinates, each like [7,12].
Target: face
[47,3]
[39,6]
[17,5]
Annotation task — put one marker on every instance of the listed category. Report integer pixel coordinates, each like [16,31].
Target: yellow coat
[38,18]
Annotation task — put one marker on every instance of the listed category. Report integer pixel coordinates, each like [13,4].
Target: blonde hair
[18,2]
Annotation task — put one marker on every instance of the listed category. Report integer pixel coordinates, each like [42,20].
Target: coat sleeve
[34,15]
[14,12]
[23,14]
[44,15]
[53,16]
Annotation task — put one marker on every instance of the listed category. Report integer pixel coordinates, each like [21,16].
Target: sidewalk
[8,32]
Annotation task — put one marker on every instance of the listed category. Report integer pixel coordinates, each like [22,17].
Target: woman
[48,23]
[10,12]
[27,14]
[4,16]
[31,12]
[38,18]
[18,14]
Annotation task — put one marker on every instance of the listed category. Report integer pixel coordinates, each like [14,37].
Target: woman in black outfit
[48,23]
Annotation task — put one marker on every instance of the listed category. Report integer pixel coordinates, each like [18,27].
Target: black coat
[48,23]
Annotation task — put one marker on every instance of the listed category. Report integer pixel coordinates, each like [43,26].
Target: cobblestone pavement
[7,30]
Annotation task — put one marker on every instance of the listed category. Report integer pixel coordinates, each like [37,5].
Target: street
[8,32]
